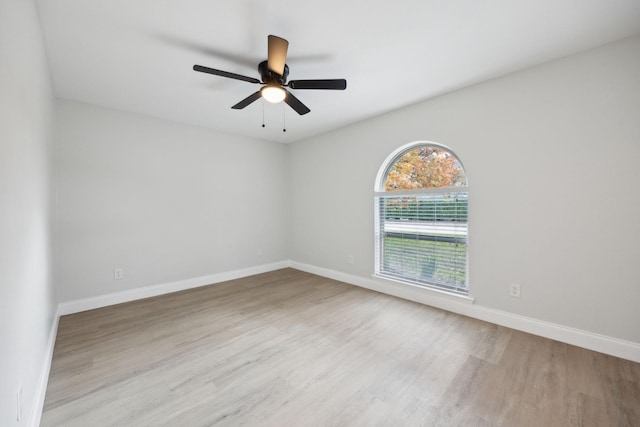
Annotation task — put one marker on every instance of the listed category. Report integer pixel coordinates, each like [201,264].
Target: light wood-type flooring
[288,348]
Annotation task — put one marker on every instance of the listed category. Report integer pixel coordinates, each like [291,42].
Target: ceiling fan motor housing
[269,76]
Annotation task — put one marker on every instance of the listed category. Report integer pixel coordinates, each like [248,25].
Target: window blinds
[422,239]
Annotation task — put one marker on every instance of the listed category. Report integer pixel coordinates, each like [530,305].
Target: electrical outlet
[260,252]
[19,404]
[118,274]
[514,290]
[350,259]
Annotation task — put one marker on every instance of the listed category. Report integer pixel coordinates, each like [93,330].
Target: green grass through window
[426,261]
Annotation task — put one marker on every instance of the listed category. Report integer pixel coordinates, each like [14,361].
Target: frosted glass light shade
[273,94]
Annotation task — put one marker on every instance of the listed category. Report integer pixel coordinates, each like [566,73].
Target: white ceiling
[137,55]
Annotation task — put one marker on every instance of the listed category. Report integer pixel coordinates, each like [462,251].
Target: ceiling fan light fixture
[273,93]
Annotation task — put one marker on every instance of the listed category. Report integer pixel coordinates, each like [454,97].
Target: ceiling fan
[274,72]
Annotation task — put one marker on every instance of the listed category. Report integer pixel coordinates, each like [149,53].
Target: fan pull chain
[284,122]
[263,113]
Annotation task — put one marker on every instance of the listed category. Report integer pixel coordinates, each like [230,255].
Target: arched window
[421,201]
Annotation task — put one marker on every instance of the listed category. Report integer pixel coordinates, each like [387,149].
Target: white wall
[27,298]
[164,201]
[553,160]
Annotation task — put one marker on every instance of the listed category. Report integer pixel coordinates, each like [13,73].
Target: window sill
[425,290]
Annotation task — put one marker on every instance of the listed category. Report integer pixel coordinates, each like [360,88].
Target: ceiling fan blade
[277,54]
[248,100]
[221,73]
[335,84]
[296,104]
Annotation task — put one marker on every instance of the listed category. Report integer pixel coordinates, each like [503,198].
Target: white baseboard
[604,344]
[43,380]
[85,304]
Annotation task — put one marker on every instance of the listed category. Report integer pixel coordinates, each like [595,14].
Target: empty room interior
[433,222]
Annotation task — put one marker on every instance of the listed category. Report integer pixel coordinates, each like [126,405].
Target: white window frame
[460,289]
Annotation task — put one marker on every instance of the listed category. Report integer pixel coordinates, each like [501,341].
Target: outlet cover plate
[514,290]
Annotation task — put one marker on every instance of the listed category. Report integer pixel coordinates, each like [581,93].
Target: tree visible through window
[421,218]
[424,167]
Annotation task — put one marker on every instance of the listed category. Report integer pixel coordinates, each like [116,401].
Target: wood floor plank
[290,348]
